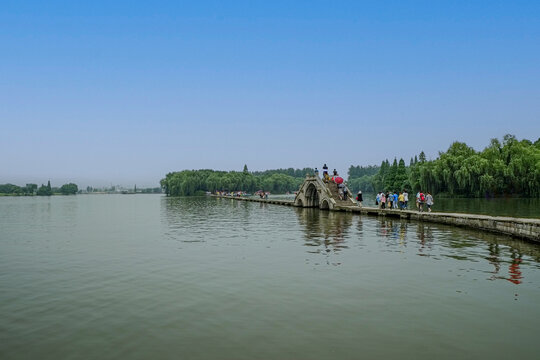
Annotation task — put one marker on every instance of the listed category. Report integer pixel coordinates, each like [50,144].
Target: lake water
[151,277]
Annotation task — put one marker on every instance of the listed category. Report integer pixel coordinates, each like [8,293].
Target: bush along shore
[33,189]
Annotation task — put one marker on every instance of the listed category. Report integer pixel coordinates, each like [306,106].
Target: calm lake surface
[151,277]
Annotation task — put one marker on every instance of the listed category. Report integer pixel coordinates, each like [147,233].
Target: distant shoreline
[91,193]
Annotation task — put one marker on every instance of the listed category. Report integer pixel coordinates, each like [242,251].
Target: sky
[123,92]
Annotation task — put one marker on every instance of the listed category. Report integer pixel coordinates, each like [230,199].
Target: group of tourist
[388,200]
[343,191]
[395,200]
[325,176]
[262,194]
[392,200]
[230,193]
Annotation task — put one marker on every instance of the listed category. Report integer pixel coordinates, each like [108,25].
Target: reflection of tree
[325,231]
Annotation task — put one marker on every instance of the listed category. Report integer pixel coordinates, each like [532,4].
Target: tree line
[43,190]
[197,182]
[507,167]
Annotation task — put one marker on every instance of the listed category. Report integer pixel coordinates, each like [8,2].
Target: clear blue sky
[123,93]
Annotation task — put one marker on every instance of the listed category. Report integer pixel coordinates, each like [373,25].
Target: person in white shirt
[405,199]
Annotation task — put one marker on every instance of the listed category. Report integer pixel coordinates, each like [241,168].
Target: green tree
[359,171]
[379,180]
[510,167]
[193,182]
[30,189]
[390,179]
[364,183]
[44,190]
[69,189]
[10,189]
[401,178]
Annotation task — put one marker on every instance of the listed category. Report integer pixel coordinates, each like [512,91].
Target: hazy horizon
[101,93]
[142,183]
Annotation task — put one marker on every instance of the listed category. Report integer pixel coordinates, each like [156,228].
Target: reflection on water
[514,273]
[469,253]
[196,219]
[328,233]
[513,269]
[325,228]
[324,231]
[425,238]
[151,277]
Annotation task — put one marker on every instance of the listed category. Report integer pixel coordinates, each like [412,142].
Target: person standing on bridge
[316,172]
[340,188]
[325,172]
[359,198]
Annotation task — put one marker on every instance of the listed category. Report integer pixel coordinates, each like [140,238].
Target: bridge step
[334,190]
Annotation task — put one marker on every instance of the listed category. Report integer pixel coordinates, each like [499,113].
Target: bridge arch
[325,205]
[311,196]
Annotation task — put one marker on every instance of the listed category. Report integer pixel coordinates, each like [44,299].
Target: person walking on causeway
[421,201]
[429,201]
[359,198]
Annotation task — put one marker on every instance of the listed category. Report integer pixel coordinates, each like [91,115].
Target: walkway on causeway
[528,229]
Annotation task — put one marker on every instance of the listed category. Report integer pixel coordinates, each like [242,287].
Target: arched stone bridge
[315,193]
